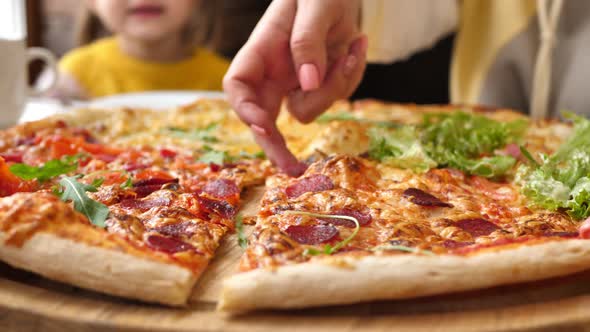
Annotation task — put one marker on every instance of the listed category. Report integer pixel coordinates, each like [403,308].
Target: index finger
[241,82]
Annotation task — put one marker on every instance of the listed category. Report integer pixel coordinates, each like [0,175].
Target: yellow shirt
[101,68]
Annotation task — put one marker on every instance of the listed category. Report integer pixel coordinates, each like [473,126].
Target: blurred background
[424,78]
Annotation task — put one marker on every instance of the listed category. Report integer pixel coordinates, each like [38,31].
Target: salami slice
[221,188]
[585,229]
[420,197]
[167,244]
[144,204]
[222,208]
[313,183]
[477,226]
[312,234]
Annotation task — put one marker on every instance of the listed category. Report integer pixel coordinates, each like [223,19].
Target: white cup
[14,89]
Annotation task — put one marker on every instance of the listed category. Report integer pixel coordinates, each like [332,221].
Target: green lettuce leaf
[460,140]
[468,142]
[399,148]
[562,180]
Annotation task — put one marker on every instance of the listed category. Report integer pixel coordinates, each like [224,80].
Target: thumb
[309,44]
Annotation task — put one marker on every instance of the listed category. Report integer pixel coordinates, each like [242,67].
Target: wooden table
[32,303]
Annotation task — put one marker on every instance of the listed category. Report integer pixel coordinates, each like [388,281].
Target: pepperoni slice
[167,153]
[167,244]
[144,204]
[314,183]
[221,188]
[363,217]
[154,182]
[14,157]
[26,140]
[423,198]
[148,186]
[477,226]
[312,234]
[450,244]
[562,234]
[175,229]
[222,208]
[585,229]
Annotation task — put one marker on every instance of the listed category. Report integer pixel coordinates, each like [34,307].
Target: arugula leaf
[72,190]
[205,134]
[562,180]
[97,182]
[328,249]
[403,248]
[49,170]
[255,155]
[242,239]
[527,154]
[127,184]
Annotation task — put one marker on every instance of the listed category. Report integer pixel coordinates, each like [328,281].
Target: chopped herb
[255,155]
[127,184]
[212,156]
[97,182]
[403,248]
[242,239]
[328,249]
[340,116]
[72,190]
[347,116]
[205,134]
[51,169]
[215,157]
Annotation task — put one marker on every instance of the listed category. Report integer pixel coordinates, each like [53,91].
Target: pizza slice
[139,222]
[349,231]
[455,201]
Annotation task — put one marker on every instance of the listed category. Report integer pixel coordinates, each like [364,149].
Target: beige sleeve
[399,28]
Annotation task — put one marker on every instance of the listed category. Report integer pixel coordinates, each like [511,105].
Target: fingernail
[350,64]
[259,130]
[309,77]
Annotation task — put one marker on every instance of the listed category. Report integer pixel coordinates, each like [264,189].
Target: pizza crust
[347,280]
[100,269]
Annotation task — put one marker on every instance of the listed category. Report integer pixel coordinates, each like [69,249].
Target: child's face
[147,20]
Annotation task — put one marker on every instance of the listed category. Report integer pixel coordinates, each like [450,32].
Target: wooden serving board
[31,303]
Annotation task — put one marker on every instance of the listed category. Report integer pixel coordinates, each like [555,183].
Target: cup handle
[34,53]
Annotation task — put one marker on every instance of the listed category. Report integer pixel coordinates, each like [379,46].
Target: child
[153,48]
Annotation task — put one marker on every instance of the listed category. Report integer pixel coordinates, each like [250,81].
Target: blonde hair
[198,31]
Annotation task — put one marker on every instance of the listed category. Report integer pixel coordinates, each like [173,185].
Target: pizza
[398,201]
[141,222]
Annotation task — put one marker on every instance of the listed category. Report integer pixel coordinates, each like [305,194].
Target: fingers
[275,147]
[343,78]
[309,43]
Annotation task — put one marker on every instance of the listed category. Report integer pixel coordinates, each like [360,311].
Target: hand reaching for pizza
[310,52]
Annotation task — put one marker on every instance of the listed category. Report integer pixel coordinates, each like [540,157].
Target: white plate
[153,99]
[38,108]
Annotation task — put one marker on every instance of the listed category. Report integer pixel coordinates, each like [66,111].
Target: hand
[306,50]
